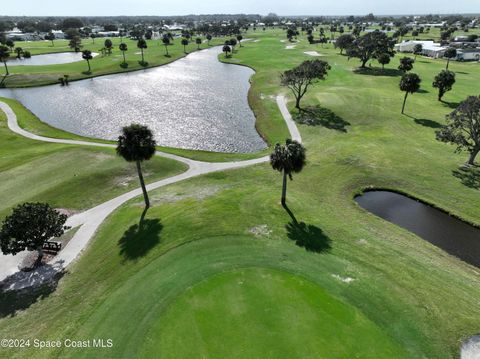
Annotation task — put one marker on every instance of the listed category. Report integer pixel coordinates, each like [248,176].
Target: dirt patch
[198,194]
[261,230]
[312,53]
[347,280]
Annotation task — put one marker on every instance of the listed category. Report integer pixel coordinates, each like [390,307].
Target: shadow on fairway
[307,236]
[374,71]
[427,123]
[13,301]
[423,91]
[453,105]
[140,238]
[469,176]
[320,116]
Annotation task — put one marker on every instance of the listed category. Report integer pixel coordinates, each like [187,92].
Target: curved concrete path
[89,221]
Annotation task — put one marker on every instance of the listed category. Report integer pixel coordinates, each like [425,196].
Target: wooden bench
[52,246]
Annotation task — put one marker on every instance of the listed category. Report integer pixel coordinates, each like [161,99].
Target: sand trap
[312,53]
[471,348]
[290,47]
[257,40]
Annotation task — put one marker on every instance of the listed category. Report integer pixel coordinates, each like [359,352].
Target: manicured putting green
[247,314]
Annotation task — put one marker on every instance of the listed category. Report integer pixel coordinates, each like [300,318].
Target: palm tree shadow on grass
[424,121]
[140,238]
[375,71]
[316,115]
[307,236]
[13,301]
[468,176]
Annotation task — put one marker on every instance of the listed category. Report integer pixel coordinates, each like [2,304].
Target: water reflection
[196,102]
[48,59]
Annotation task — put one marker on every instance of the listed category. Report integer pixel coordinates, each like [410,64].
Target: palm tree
[184,43]
[198,41]
[87,55]
[123,48]
[226,49]
[409,83]
[450,53]
[108,45]
[136,144]
[240,38]
[288,159]
[4,55]
[166,42]
[142,44]
[19,52]
[209,38]
[417,50]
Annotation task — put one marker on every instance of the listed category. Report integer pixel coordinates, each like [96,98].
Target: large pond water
[452,235]
[196,102]
[48,59]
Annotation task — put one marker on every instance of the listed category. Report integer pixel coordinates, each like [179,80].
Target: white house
[429,48]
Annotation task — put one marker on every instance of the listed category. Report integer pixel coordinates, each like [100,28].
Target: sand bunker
[312,53]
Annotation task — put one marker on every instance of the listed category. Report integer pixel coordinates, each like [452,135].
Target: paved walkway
[89,221]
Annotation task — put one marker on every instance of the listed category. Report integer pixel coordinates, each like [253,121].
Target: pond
[450,234]
[48,59]
[196,102]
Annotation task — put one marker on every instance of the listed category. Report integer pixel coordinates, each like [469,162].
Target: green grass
[148,287]
[27,76]
[73,177]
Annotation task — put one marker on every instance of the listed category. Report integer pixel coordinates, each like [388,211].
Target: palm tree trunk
[143,59]
[166,49]
[404,101]
[6,68]
[284,188]
[124,61]
[142,183]
[89,68]
[448,62]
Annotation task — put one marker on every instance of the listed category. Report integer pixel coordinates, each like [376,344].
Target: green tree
[344,42]
[19,52]
[75,43]
[369,46]
[166,43]
[301,77]
[239,39]
[108,46]
[406,64]
[383,59]
[409,83]
[87,55]
[463,128]
[123,48]
[29,226]
[4,55]
[417,50]
[444,82]
[50,37]
[226,49]
[209,38]
[10,44]
[198,41]
[232,42]
[184,42]
[287,159]
[142,45]
[450,53]
[136,144]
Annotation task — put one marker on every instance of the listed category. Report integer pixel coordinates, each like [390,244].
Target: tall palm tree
[4,55]
[166,42]
[87,55]
[136,144]
[123,48]
[409,83]
[19,52]
[142,44]
[288,159]
[184,43]
[209,38]
[450,53]
[198,41]
[240,38]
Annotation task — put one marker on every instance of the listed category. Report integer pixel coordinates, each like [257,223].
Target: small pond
[48,59]
[196,102]
[452,235]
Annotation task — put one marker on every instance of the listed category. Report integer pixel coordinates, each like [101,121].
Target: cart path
[90,220]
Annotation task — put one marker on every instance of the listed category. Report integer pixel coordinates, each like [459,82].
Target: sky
[263,7]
